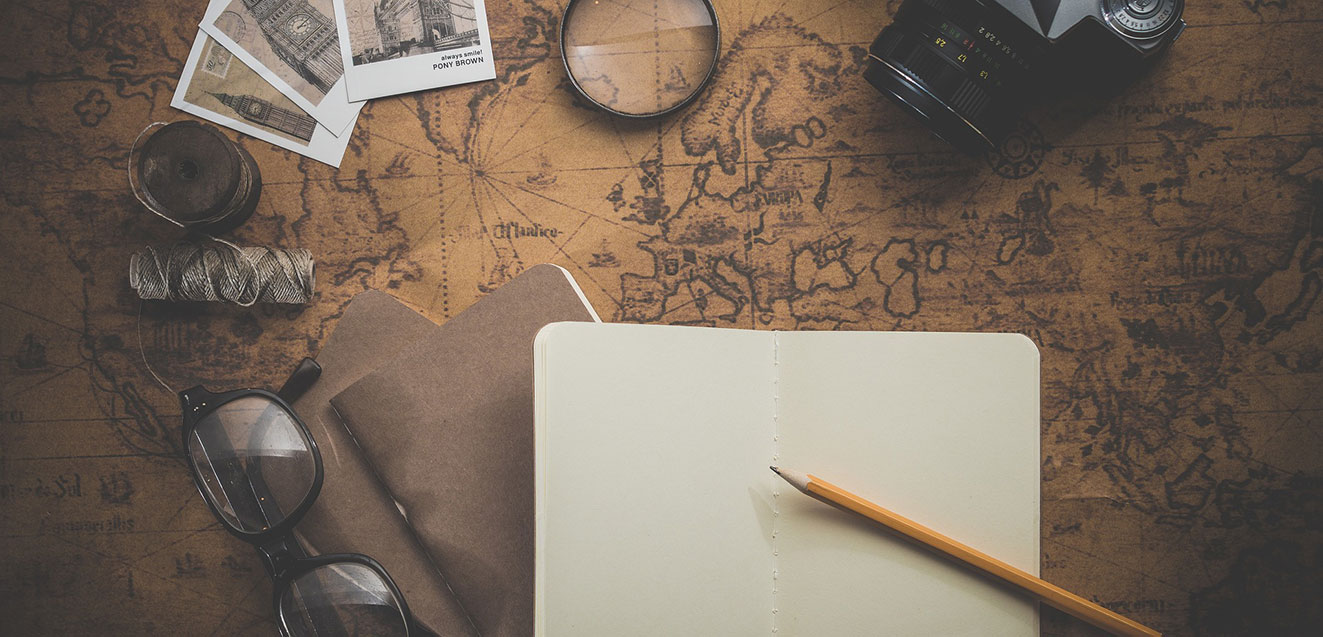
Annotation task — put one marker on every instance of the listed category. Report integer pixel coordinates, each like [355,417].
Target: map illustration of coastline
[1163,248]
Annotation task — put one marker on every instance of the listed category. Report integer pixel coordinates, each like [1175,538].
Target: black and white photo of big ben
[391,29]
[264,113]
[303,37]
[218,86]
[294,44]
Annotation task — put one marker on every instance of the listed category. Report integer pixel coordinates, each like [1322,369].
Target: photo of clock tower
[264,113]
[303,37]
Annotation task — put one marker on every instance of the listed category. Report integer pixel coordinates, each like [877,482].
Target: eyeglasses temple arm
[300,380]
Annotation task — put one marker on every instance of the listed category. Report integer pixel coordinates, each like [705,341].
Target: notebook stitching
[776,481]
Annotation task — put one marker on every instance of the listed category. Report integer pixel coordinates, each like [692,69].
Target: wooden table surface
[1163,247]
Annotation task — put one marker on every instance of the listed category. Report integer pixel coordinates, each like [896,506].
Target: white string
[203,272]
[143,353]
[134,187]
[136,193]
[139,194]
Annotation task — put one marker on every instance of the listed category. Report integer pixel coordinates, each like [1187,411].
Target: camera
[967,68]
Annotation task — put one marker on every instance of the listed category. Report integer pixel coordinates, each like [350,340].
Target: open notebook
[656,513]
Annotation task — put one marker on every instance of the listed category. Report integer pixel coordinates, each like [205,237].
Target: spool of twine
[215,271]
[194,175]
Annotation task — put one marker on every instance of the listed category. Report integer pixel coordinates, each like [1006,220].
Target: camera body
[968,67]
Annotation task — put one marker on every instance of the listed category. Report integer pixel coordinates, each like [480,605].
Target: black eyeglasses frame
[282,557]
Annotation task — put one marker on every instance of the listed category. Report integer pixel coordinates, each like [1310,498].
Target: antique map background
[1163,248]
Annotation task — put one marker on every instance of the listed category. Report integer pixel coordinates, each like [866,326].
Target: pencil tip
[775,470]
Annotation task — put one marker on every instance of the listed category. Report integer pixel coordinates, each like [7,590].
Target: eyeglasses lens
[255,462]
[341,599]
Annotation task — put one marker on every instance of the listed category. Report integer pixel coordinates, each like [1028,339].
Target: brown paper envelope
[354,513]
[448,425]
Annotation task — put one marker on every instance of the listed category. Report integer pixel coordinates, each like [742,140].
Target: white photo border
[335,112]
[325,147]
[414,73]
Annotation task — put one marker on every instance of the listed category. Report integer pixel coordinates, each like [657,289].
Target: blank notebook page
[657,514]
[652,452]
[941,428]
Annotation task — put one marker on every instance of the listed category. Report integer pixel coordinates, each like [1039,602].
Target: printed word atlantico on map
[513,230]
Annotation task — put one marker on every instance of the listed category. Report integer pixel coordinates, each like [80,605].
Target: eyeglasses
[259,470]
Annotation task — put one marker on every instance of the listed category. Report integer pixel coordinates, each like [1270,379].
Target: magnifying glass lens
[640,57]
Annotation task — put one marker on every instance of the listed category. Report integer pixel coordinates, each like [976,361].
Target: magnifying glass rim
[711,68]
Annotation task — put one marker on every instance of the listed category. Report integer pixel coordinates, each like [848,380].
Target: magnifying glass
[640,58]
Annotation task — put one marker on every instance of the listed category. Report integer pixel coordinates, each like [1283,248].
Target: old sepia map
[1163,247]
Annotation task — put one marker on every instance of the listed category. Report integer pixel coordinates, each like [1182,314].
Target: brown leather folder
[447,425]
[355,513]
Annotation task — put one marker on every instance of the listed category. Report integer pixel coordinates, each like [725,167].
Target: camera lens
[959,66]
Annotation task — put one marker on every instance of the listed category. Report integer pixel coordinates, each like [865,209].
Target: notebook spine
[777,483]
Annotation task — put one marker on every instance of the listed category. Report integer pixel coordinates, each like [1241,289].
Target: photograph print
[294,45]
[217,86]
[400,46]
[387,29]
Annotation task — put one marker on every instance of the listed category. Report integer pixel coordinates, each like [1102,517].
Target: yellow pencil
[1049,594]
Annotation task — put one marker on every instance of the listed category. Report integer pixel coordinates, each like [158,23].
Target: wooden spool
[192,173]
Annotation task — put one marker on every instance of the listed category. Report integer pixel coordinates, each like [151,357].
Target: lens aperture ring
[1000,46]
[937,74]
[962,66]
